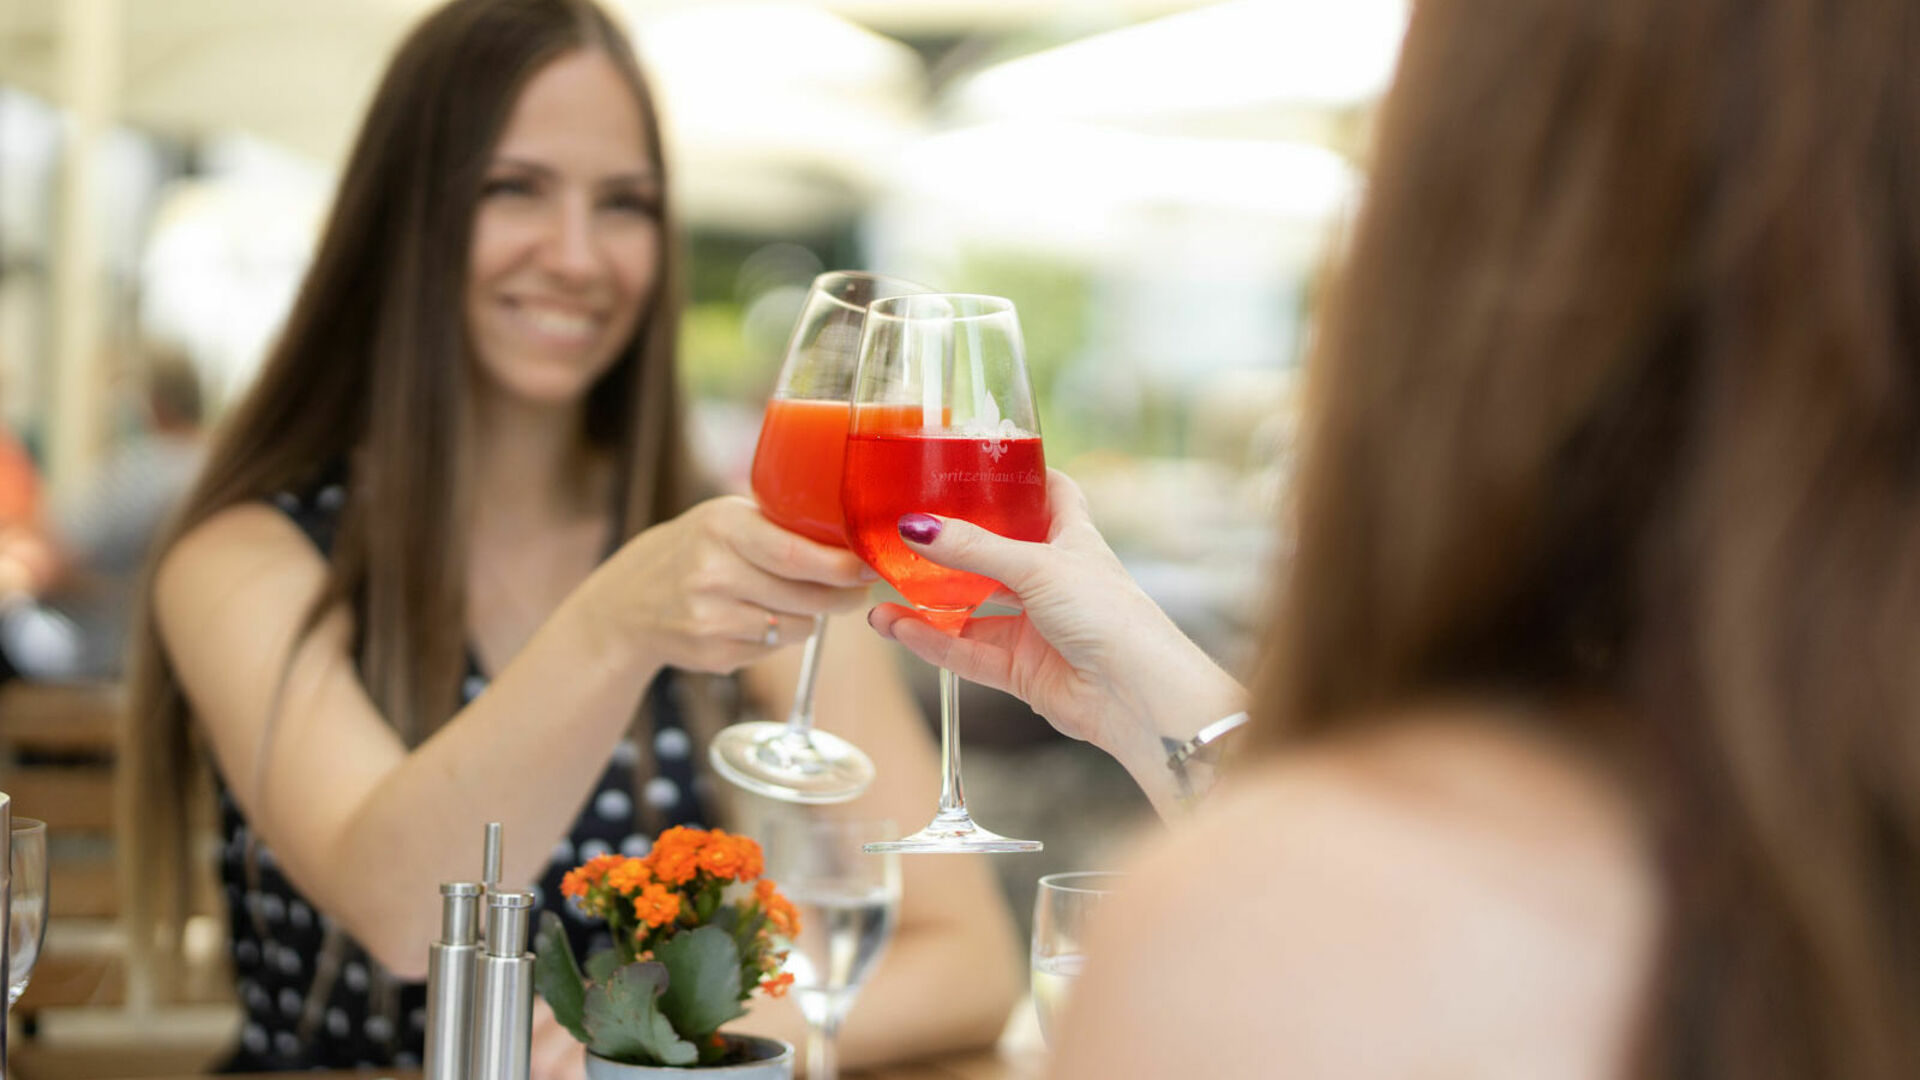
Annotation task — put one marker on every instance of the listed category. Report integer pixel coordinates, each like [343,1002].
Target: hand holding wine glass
[943,423]
[1088,650]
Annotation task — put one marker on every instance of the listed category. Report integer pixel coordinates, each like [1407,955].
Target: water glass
[1063,909]
[848,903]
[27,923]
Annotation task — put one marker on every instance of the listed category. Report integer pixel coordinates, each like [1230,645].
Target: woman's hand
[1090,651]
[719,587]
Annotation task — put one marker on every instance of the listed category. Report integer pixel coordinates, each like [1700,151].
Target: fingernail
[871,612]
[868,573]
[919,528]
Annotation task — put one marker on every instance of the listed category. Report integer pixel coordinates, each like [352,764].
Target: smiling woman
[445,566]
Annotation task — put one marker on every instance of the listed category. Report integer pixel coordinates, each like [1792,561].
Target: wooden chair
[59,755]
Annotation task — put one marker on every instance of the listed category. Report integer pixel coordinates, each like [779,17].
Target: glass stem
[953,799]
[800,719]
[823,1061]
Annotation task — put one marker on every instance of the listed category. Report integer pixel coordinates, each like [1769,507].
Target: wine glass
[1062,909]
[796,480]
[27,921]
[943,423]
[848,905]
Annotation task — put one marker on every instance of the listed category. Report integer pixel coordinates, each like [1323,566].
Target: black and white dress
[310,996]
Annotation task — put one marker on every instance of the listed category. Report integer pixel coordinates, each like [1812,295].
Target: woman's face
[567,235]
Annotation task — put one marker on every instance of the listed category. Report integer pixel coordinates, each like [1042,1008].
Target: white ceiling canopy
[776,111]
[293,71]
[1082,189]
[1262,60]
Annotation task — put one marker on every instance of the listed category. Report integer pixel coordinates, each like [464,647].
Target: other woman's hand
[1089,651]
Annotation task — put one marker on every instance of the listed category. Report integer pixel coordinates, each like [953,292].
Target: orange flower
[588,874]
[780,911]
[675,858]
[777,986]
[656,906]
[721,855]
[630,876]
[752,865]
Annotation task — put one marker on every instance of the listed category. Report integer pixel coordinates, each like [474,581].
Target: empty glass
[1062,911]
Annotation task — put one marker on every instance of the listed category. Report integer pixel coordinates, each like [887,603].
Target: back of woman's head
[1618,400]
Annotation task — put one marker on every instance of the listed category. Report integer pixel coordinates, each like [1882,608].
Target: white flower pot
[773,1060]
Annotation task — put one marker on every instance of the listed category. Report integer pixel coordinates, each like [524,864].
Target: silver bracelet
[1179,753]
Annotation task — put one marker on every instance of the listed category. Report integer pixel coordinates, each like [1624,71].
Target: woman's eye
[633,203]
[506,185]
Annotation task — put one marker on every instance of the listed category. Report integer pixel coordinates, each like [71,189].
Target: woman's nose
[571,250]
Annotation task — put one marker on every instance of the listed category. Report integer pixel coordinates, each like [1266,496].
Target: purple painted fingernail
[920,528]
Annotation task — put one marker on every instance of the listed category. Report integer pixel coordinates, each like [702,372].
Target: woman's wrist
[1169,691]
[592,632]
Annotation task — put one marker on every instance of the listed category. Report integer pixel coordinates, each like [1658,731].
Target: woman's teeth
[558,324]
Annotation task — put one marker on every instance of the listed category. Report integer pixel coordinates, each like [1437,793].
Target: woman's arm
[369,829]
[952,972]
[1090,651]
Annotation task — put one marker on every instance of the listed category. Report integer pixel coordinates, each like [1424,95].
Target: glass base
[812,767]
[952,833]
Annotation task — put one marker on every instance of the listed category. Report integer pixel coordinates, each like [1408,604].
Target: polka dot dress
[306,1005]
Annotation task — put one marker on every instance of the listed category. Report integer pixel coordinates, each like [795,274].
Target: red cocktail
[999,484]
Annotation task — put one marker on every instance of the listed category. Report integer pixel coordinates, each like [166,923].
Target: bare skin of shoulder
[1440,897]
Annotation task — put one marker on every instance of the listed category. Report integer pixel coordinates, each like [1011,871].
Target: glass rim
[864,275]
[1058,882]
[992,307]
[27,824]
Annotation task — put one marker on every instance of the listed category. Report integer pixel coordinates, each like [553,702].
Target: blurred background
[1156,183]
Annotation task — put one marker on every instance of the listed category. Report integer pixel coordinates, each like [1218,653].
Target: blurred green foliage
[1051,296]
[716,360]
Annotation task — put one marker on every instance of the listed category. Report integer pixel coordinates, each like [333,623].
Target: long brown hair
[370,374]
[1617,401]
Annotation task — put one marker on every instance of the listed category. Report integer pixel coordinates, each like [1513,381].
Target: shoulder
[1444,889]
[250,551]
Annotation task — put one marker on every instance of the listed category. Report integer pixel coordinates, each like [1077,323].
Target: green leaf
[602,965]
[557,975]
[703,986]
[624,1022]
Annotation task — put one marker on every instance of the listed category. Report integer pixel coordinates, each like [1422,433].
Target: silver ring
[772,636]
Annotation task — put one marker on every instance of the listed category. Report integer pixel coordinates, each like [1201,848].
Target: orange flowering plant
[696,930]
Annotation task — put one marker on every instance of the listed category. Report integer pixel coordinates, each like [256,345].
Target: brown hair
[371,373]
[1617,401]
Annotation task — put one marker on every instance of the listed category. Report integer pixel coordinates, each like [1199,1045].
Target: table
[978,1065]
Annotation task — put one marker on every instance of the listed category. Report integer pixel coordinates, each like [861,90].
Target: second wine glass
[943,423]
[796,480]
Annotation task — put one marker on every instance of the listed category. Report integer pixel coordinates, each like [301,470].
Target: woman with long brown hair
[445,566]
[1585,745]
